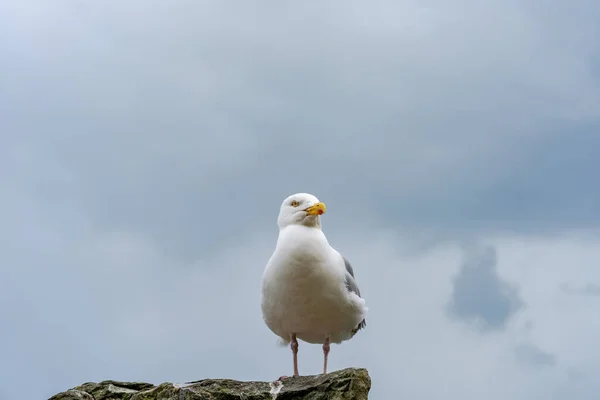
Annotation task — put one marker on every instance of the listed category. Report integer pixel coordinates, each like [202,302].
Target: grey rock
[346,384]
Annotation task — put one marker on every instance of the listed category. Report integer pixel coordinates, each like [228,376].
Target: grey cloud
[145,134]
[480,297]
[589,289]
[533,355]
[592,289]
[163,139]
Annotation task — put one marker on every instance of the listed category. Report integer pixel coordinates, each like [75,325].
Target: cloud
[116,307]
[533,355]
[589,289]
[147,147]
[480,296]
[457,133]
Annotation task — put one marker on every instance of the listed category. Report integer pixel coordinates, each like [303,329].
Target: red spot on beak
[320,212]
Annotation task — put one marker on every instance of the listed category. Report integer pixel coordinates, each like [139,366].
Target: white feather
[303,287]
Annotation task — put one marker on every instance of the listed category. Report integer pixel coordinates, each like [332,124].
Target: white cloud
[135,314]
[427,356]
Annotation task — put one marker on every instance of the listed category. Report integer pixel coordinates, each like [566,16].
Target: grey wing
[352,286]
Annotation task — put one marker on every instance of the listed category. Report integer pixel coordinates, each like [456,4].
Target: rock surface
[346,384]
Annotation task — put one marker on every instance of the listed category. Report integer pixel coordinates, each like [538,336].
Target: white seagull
[308,288]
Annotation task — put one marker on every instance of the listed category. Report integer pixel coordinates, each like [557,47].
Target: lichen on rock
[346,384]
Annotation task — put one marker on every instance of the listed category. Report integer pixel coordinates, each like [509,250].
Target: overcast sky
[146,148]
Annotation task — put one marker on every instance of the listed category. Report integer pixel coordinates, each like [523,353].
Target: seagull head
[301,209]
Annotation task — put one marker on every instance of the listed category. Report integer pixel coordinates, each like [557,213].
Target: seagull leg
[325,354]
[294,347]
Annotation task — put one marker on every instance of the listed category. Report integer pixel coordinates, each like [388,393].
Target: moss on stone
[346,384]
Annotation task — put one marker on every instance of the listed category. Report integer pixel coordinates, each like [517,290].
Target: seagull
[308,289]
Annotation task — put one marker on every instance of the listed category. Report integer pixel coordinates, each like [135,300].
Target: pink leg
[325,354]
[294,346]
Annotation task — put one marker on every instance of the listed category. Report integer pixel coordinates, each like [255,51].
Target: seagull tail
[282,343]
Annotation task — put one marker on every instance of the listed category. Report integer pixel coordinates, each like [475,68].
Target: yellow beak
[317,209]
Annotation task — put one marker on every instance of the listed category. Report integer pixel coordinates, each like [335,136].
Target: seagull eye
[295,203]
